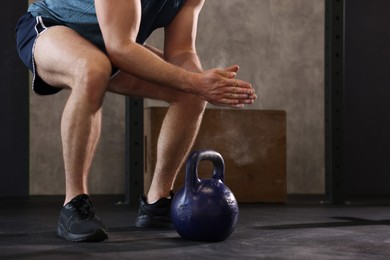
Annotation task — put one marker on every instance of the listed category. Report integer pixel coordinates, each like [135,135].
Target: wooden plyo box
[251,142]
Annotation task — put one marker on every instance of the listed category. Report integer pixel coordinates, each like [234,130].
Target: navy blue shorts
[27,31]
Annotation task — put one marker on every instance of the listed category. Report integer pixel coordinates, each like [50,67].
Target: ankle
[153,198]
[71,196]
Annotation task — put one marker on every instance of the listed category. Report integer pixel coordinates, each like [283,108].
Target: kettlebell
[204,209]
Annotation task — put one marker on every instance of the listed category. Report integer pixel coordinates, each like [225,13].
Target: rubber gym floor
[301,228]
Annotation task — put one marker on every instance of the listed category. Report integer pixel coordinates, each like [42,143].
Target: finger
[240,87]
[234,102]
[241,103]
[238,106]
[231,103]
[234,98]
[233,68]
[226,73]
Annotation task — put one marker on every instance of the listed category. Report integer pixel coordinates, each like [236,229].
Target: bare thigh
[61,56]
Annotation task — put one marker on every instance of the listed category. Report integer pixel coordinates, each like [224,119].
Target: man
[92,47]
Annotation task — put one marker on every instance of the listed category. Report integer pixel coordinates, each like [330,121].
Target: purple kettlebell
[204,209]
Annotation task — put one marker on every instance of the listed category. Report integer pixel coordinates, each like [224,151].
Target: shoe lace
[84,209]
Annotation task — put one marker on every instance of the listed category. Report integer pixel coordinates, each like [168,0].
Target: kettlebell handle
[192,166]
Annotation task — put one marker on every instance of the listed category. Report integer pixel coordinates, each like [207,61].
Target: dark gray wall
[367,97]
[279,45]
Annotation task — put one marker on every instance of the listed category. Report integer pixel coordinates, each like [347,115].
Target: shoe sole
[96,236]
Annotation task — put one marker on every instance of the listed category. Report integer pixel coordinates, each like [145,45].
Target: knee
[91,81]
[193,102]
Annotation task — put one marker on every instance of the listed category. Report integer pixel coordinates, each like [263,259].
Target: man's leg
[177,135]
[178,132]
[64,59]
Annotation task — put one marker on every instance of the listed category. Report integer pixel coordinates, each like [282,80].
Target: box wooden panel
[252,143]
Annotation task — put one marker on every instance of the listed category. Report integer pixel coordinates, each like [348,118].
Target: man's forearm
[143,63]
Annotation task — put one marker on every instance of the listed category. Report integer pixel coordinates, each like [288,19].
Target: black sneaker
[78,221]
[157,214]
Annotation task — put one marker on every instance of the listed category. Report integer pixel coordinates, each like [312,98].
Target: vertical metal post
[14,107]
[134,149]
[334,104]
